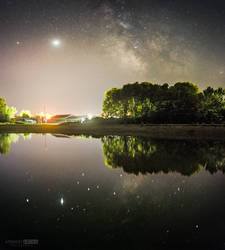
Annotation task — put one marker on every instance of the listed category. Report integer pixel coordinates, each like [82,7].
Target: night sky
[64,54]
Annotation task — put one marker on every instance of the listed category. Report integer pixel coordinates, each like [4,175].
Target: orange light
[46,116]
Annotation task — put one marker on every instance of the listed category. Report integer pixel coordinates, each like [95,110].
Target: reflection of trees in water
[143,155]
[26,136]
[5,142]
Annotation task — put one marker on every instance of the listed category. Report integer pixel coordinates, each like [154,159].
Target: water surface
[111,192]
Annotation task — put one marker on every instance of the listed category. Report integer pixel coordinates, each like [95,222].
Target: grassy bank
[169,131]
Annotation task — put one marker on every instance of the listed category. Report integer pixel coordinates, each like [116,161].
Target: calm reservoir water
[111,192]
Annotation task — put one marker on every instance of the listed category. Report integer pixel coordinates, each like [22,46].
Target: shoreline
[160,131]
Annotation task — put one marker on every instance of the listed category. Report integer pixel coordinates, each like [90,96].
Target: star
[56,42]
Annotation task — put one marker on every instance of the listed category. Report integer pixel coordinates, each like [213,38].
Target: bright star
[56,42]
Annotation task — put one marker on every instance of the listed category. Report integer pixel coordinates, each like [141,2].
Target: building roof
[61,116]
[75,117]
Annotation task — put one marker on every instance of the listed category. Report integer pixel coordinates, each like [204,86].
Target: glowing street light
[90,116]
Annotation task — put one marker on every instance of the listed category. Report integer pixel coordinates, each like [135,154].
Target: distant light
[90,116]
[62,201]
[56,43]
[82,120]
[48,116]
[18,42]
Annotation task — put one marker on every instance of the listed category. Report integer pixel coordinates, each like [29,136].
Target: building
[24,119]
[64,118]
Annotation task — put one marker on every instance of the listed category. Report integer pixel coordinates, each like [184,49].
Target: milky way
[105,44]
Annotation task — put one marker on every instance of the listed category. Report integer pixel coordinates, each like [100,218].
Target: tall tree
[6,113]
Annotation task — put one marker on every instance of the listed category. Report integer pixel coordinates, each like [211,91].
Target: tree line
[9,114]
[180,103]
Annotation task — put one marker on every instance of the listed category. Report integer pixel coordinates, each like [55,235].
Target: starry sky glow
[65,54]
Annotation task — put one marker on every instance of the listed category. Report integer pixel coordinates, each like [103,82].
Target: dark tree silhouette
[180,103]
[144,155]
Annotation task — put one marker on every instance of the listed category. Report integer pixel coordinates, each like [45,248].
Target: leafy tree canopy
[180,103]
[25,114]
[6,113]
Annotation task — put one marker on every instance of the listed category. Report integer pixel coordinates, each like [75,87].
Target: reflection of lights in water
[62,201]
